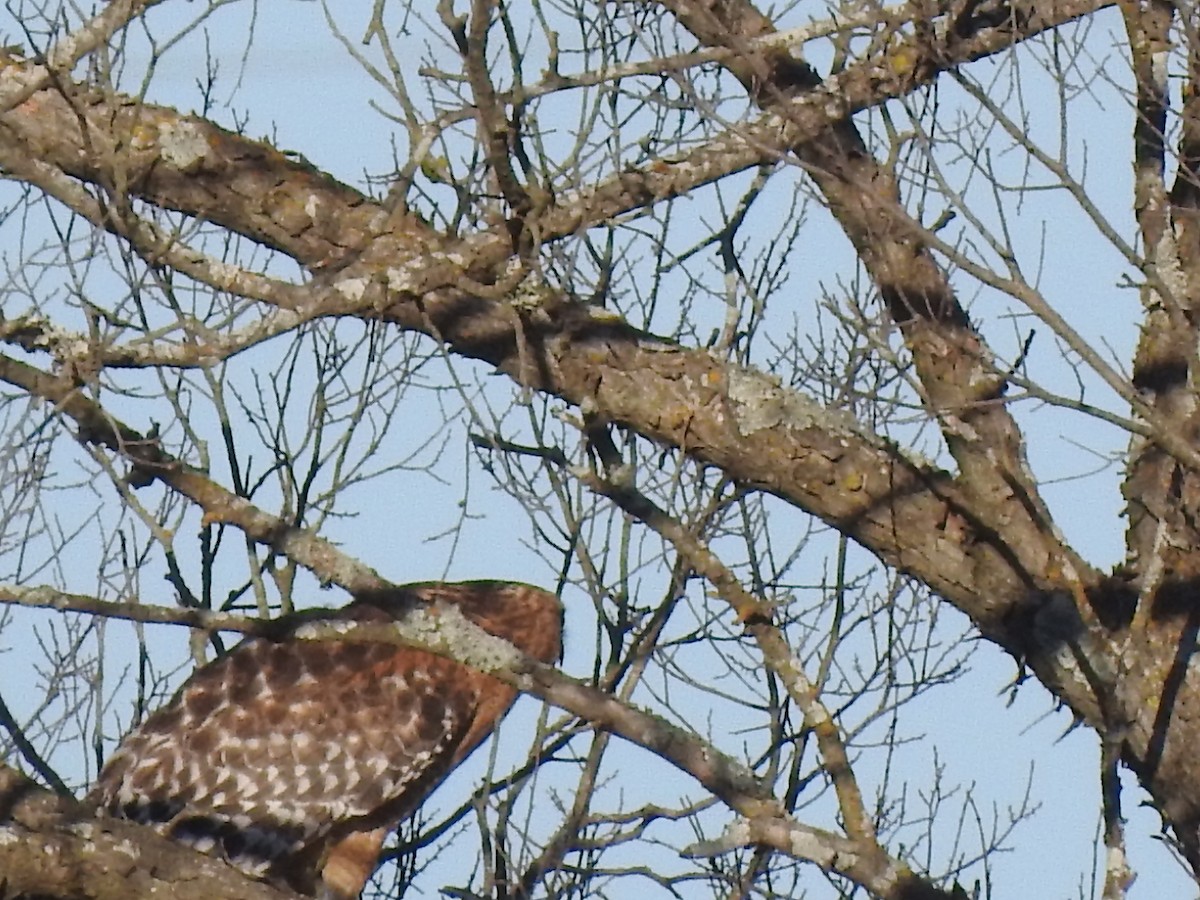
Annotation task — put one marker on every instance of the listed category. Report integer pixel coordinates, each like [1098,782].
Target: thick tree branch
[52,847]
[961,381]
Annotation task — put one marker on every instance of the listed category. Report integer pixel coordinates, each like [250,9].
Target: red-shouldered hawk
[294,758]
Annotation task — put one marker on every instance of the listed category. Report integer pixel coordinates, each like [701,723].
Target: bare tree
[814,326]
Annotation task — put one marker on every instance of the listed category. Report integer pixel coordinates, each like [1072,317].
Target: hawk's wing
[263,751]
[283,753]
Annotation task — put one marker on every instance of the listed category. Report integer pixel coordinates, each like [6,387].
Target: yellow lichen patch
[902,58]
[596,355]
[759,610]
[604,314]
[676,416]
[212,517]
[12,55]
[143,136]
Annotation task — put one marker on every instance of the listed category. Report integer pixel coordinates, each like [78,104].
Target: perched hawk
[293,759]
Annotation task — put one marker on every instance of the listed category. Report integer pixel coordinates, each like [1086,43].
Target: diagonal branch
[149,461]
[959,375]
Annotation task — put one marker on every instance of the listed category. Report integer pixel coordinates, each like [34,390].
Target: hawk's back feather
[280,751]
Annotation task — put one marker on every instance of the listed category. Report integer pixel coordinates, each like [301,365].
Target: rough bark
[51,847]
